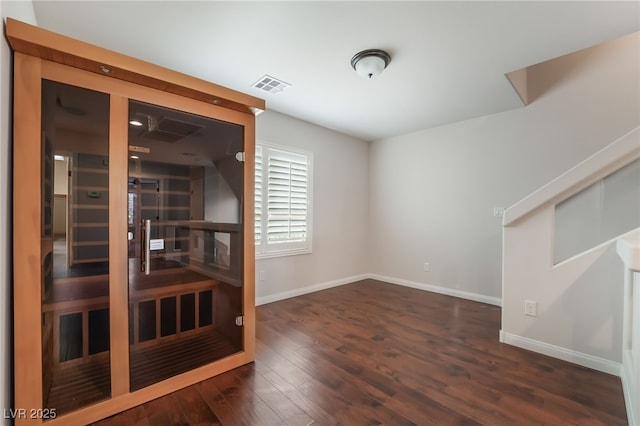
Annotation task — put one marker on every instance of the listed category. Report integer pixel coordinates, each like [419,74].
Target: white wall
[432,192]
[61,177]
[340,210]
[579,302]
[24,12]
[221,204]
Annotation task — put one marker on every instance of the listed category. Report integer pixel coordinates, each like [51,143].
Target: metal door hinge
[240,156]
[240,320]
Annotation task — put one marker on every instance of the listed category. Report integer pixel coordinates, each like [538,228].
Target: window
[283,183]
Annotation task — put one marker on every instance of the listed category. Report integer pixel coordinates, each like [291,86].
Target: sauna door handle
[145,250]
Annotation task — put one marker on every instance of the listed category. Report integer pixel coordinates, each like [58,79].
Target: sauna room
[184,197]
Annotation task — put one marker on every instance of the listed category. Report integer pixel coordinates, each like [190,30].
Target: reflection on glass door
[75,219]
[185,193]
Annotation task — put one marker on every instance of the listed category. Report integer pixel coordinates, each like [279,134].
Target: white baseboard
[263,300]
[585,360]
[630,388]
[439,289]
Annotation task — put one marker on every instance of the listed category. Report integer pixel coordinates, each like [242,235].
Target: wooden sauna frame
[41,54]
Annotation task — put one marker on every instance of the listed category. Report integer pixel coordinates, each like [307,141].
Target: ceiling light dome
[370,63]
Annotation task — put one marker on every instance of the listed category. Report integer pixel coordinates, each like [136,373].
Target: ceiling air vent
[168,130]
[270,84]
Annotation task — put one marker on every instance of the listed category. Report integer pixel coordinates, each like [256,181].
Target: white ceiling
[449,59]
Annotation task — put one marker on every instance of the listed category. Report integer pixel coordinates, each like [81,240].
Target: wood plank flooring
[371,353]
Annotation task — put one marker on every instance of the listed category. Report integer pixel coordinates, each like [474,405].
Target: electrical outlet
[427,267]
[262,275]
[531,308]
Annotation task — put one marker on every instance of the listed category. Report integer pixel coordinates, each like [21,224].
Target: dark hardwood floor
[371,353]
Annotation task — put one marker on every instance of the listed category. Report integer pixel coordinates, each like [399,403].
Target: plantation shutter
[287,189]
[258,195]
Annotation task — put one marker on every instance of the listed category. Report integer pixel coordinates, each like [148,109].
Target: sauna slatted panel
[88,383]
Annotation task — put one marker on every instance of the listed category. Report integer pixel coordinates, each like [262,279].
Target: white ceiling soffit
[449,59]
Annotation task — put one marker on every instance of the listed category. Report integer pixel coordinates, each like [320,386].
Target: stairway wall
[432,192]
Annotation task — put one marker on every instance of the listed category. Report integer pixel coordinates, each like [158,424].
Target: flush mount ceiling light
[371,62]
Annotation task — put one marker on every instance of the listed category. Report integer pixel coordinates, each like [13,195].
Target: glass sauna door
[75,245]
[184,210]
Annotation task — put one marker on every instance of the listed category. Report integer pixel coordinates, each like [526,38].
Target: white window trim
[264,250]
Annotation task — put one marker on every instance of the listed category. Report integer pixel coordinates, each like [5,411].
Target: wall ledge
[614,156]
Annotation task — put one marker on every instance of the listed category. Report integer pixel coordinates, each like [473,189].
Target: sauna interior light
[371,62]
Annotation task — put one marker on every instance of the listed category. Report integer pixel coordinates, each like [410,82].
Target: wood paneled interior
[90,382]
[152,364]
[64,60]
[80,385]
[78,376]
[375,353]
[89,240]
[65,290]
